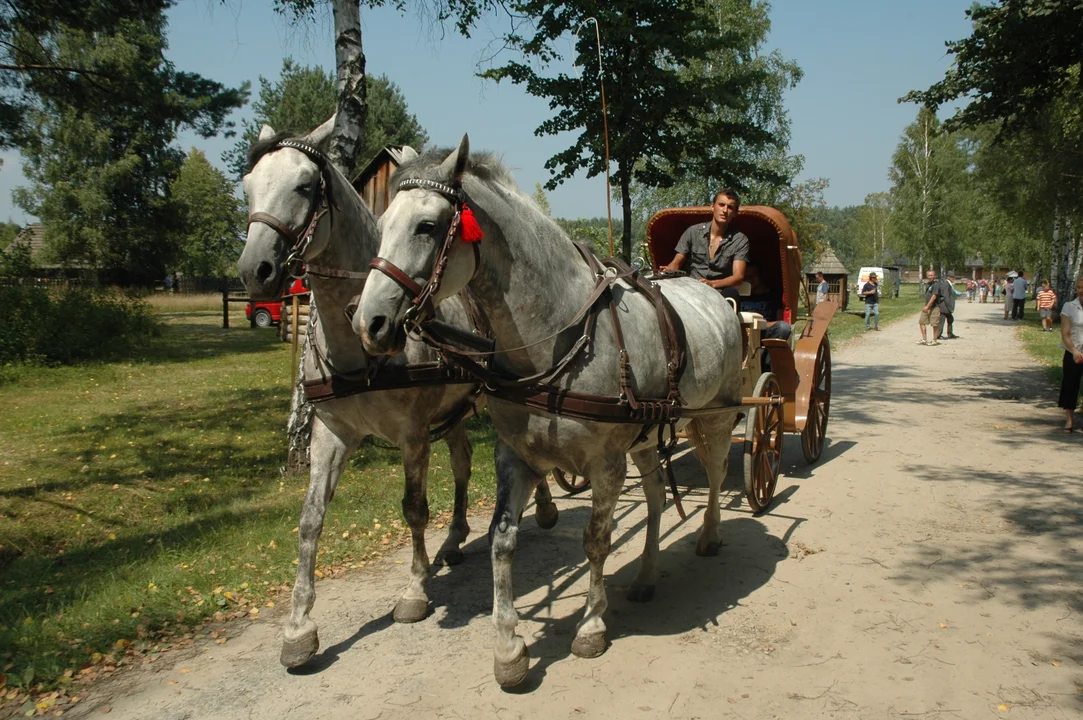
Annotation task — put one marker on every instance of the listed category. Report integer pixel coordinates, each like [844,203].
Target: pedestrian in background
[1019,296]
[930,313]
[947,308]
[822,288]
[1071,336]
[871,292]
[1045,304]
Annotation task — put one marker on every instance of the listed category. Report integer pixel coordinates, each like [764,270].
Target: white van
[863,276]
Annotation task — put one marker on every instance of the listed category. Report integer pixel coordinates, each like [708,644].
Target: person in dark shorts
[714,252]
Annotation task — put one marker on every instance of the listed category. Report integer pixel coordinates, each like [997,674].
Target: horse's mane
[261,147]
[483,166]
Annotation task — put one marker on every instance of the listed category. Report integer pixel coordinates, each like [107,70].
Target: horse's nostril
[376,326]
[264,271]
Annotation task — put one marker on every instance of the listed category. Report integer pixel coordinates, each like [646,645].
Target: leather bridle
[421,308]
[320,203]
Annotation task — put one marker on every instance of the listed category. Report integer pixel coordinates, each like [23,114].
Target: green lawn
[1045,347]
[849,324]
[139,498]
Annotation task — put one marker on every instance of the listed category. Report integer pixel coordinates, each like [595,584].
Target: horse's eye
[304,189]
[425,227]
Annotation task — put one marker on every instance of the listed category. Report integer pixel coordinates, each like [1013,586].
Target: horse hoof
[510,674]
[299,652]
[546,516]
[708,548]
[451,557]
[589,646]
[641,593]
[411,610]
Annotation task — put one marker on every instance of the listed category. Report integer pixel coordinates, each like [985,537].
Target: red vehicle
[266,314]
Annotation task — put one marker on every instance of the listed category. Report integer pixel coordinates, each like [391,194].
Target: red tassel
[471,231]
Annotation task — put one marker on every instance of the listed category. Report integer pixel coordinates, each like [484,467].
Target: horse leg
[646,461]
[712,441]
[328,454]
[413,604]
[545,510]
[459,446]
[605,482]
[514,481]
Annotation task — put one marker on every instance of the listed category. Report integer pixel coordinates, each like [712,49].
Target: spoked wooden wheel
[572,486]
[763,445]
[815,432]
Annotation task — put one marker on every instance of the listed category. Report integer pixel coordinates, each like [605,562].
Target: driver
[716,253]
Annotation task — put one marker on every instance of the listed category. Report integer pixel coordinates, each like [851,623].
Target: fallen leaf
[943,625]
[185,670]
[1055,663]
[1004,707]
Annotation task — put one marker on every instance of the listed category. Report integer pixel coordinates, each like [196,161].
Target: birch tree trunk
[342,150]
[352,92]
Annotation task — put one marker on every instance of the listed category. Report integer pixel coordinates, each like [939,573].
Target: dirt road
[928,567]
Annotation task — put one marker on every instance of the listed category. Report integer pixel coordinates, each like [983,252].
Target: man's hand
[708,283]
[1078,356]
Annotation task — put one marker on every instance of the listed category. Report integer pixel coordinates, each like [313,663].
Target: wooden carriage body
[800,367]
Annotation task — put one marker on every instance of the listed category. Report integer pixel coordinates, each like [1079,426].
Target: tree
[873,228]
[211,218]
[8,232]
[98,145]
[1021,56]
[928,172]
[304,97]
[669,100]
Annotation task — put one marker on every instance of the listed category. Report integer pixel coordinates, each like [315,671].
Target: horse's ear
[407,153]
[320,134]
[455,165]
[266,131]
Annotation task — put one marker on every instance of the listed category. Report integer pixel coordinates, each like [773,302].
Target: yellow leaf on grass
[270,603]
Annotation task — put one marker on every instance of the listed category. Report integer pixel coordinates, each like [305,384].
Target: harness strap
[395,377]
[389,269]
[326,272]
[275,224]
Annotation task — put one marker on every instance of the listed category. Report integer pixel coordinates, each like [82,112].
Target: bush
[65,326]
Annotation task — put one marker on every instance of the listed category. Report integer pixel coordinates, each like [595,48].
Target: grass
[1044,347]
[140,498]
[851,323]
[186,302]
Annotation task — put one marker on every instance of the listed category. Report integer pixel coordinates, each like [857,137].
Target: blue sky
[858,57]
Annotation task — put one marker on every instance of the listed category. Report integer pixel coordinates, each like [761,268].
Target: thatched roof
[34,236]
[828,264]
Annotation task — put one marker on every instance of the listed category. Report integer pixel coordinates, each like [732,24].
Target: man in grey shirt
[715,253]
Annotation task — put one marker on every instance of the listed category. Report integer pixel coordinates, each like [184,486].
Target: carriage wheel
[763,445]
[574,486]
[815,432]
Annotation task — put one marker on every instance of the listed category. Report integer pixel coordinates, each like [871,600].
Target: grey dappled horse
[282,185]
[530,281]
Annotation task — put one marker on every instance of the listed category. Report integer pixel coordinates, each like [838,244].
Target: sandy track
[928,567]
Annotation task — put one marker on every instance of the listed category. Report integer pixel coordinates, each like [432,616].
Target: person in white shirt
[1019,296]
[1071,335]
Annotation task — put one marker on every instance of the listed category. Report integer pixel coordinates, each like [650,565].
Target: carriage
[795,395]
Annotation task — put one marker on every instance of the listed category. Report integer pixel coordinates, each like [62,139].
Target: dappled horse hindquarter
[532,283]
[295,230]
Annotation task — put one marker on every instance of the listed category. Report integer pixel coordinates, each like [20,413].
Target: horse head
[424,254]
[288,188]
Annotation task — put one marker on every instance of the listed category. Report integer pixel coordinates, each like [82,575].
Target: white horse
[287,186]
[532,284]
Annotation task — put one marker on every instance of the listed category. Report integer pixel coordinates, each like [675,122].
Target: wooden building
[373,183]
[836,275]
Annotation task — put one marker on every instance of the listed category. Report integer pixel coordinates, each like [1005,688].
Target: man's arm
[733,280]
[675,264]
[934,298]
